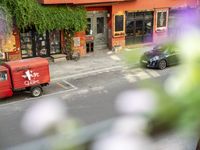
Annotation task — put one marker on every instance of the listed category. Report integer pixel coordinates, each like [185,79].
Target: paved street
[90,99]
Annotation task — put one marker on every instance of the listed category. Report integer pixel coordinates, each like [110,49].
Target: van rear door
[5,83]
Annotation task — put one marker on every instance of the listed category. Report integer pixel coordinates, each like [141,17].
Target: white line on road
[153,73]
[98,88]
[114,57]
[131,78]
[74,87]
[88,73]
[84,91]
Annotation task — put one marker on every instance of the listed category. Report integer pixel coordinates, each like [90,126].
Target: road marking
[61,85]
[141,74]
[153,73]
[98,88]
[79,75]
[36,98]
[84,91]
[71,84]
[131,78]
[110,52]
[114,57]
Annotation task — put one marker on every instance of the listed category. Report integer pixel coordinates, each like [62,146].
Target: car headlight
[154,58]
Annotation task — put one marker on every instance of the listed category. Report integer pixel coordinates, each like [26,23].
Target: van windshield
[3,76]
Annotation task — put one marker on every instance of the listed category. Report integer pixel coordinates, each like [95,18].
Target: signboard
[77,41]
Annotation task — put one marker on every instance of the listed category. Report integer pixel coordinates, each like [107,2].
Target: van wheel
[36,91]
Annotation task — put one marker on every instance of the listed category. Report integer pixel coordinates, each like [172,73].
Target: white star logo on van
[30,74]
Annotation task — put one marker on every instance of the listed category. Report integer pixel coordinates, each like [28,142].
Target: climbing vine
[29,13]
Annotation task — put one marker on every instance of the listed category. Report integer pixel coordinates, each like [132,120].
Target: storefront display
[43,45]
[26,44]
[139,27]
[55,45]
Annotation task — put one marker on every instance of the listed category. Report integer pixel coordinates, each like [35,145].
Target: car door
[171,57]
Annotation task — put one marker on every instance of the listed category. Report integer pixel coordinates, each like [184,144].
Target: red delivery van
[27,74]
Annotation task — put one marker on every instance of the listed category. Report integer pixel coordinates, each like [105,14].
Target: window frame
[5,76]
[164,27]
[122,32]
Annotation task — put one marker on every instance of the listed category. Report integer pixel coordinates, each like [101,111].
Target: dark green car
[161,56]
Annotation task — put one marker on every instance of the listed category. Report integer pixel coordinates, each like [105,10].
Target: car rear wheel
[36,91]
[162,64]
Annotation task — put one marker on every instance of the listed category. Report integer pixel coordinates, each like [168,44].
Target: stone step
[99,47]
[58,57]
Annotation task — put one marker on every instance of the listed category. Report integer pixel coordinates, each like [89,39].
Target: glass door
[41,45]
[26,44]
[55,44]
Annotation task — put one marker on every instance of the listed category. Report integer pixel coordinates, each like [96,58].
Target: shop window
[41,44]
[54,39]
[3,76]
[148,14]
[119,25]
[100,25]
[26,44]
[161,20]
[89,27]
[139,28]
[130,27]
[139,14]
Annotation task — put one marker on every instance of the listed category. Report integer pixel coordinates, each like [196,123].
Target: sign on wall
[77,41]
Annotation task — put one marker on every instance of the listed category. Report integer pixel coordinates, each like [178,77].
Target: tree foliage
[5,22]
[29,13]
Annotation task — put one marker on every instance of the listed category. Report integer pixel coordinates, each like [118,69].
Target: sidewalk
[99,61]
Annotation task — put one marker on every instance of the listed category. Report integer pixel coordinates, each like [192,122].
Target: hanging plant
[29,13]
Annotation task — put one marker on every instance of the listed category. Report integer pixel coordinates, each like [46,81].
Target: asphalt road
[90,99]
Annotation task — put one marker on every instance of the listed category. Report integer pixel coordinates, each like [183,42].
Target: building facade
[110,23]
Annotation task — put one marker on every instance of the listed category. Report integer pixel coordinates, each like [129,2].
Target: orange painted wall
[81,49]
[145,5]
[151,4]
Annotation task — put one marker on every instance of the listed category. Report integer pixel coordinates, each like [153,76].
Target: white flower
[42,116]
[138,101]
[120,142]
[130,125]
[189,44]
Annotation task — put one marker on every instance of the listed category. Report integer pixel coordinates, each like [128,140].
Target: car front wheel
[162,64]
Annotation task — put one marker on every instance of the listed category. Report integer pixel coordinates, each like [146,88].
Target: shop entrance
[39,45]
[96,32]
[139,27]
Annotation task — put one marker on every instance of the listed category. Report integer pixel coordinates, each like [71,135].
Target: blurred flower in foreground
[138,101]
[128,131]
[43,115]
[118,142]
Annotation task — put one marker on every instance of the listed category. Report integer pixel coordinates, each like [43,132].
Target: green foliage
[29,13]
[5,21]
